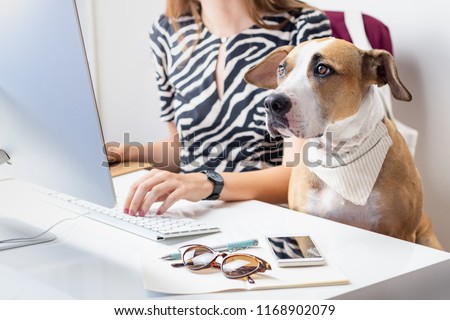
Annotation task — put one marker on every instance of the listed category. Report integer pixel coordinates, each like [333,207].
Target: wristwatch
[218,184]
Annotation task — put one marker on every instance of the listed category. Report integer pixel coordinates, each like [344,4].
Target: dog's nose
[278,103]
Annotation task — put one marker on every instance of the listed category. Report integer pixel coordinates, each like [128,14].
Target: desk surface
[90,260]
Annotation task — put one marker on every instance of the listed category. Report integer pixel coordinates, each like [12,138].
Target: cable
[18,240]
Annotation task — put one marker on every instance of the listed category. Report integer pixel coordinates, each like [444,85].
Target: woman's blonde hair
[179,8]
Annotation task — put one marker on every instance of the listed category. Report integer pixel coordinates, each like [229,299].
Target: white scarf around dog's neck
[349,156]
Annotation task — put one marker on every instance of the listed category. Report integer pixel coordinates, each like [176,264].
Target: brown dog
[355,167]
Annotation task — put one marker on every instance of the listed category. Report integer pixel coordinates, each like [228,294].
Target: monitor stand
[4,157]
[4,160]
[16,229]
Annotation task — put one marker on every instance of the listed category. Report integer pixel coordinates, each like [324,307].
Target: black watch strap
[217,180]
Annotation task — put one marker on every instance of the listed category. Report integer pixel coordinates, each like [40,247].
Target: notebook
[159,276]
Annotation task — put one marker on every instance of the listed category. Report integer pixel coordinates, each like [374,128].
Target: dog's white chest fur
[321,201]
[327,203]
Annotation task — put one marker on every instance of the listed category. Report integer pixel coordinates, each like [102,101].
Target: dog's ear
[380,66]
[264,74]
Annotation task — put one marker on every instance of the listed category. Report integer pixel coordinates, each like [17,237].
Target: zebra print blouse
[227,134]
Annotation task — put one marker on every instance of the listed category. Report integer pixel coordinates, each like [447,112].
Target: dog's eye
[323,70]
[281,71]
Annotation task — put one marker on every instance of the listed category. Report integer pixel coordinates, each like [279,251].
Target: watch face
[214,175]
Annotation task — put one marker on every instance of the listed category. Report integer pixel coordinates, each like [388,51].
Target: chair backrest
[376,31]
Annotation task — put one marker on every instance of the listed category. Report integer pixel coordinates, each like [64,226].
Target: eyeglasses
[233,266]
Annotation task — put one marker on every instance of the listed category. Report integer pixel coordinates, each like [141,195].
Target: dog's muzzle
[277,105]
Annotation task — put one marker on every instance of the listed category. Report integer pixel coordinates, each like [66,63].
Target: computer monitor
[50,132]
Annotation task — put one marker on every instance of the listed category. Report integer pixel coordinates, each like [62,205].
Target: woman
[201,51]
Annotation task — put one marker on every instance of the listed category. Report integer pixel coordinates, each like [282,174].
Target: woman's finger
[173,197]
[139,190]
[158,193]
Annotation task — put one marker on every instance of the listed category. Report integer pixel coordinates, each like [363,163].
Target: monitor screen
[49,124]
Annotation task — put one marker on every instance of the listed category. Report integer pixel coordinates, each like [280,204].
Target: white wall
[125,83]
[421,46]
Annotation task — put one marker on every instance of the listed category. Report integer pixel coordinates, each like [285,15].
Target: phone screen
[293,247]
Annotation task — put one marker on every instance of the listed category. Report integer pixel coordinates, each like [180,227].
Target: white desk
[90,260]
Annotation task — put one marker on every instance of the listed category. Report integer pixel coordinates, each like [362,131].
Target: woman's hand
[168,187]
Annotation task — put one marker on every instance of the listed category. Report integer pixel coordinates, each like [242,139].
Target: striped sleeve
[160,48]
[312,24]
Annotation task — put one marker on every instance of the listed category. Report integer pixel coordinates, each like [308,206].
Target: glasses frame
[262,264]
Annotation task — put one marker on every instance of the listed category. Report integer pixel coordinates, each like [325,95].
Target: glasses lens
[237,266]
[196,258]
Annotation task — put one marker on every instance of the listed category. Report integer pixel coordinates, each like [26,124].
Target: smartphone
[295,251]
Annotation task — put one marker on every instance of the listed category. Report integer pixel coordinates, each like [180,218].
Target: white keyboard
[151,226]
